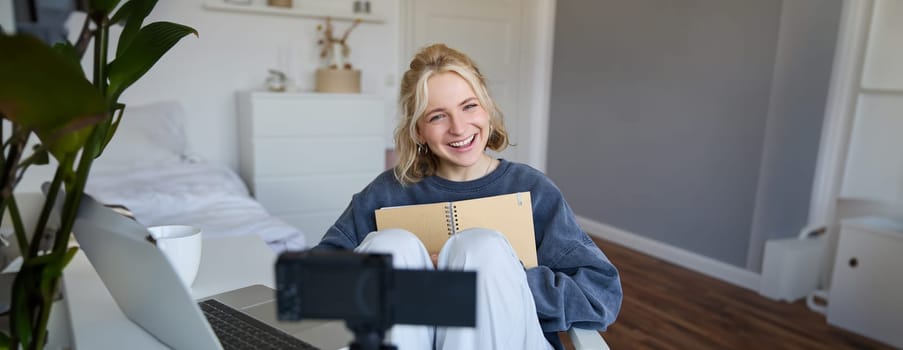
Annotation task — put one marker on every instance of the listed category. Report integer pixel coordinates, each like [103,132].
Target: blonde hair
[413,164]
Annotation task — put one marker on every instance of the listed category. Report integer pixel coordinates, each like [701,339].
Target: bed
[146,169]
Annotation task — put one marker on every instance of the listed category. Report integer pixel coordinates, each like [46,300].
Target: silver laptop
[150,293]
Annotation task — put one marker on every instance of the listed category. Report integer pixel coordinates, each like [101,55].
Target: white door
[489,31]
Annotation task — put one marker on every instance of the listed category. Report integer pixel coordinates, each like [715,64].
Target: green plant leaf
[53,271]
[42,91]
[16,217]
[50,267]
[40,155]
[118,109]
[4,341]
[132,14]
[70,53]
[21,312]
[104,6]
[122,13]
[149,45]
[70,254]
[56,265]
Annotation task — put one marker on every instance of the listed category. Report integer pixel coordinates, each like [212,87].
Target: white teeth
[463,143]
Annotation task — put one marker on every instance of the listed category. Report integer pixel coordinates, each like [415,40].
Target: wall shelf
[220,5]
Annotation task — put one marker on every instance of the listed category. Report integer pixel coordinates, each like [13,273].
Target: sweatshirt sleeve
[575,284]
[342,235]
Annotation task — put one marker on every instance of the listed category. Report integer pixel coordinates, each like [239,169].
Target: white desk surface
[97,323]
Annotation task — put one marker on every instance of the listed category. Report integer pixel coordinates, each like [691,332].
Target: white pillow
[148,134]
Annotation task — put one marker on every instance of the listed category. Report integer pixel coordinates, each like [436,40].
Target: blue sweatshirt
[574,284]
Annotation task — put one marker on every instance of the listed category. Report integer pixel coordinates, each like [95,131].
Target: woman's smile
[464,143]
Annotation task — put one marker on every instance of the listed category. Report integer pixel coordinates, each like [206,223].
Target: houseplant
[44,92]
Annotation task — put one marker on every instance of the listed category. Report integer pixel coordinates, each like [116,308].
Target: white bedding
[194,193]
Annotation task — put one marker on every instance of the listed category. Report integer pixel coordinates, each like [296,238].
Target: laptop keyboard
[236,330]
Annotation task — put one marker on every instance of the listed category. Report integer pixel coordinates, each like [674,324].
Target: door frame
[849,55]
[538,23]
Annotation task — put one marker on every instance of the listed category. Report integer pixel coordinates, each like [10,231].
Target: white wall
[7,19]
[234,51]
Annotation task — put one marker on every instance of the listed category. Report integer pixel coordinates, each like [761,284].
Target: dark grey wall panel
[657,116]
[691,122]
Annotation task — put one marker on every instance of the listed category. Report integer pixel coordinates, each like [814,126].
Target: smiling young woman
[448,122]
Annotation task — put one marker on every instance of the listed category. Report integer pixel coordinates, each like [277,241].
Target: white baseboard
[684,258]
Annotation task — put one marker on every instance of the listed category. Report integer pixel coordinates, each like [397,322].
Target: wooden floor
[670,307]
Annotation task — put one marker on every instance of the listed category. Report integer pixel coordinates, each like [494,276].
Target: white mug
[181,245]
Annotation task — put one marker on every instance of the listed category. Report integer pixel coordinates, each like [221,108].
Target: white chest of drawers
[304,155]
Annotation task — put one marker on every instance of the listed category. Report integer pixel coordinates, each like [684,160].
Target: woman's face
[455,126]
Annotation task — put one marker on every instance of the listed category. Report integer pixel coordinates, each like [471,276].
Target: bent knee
[479,242]
[395,234]
[405,248]
[390,241]
[481,238]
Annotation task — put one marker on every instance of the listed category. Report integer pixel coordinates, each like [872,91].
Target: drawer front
[866,286]
[312,224]
[318,117]
[310,193]
[290,156]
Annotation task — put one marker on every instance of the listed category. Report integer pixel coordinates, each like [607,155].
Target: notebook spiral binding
[448,221]
[455,218]
[451,219]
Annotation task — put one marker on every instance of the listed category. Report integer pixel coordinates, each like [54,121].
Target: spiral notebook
[510,214]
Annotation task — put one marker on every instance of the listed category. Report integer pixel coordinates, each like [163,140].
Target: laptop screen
[140,278]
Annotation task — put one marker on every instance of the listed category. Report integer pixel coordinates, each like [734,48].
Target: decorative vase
[337,60]
[338,80]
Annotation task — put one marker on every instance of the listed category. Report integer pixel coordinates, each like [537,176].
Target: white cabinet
[866,293]
[304,155]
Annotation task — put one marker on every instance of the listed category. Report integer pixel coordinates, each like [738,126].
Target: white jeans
[506,313]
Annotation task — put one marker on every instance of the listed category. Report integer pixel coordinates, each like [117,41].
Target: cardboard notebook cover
[510,214]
